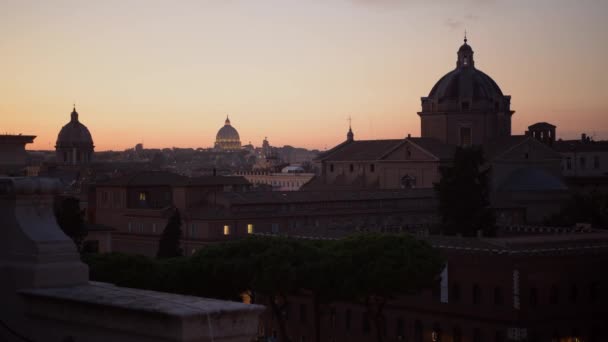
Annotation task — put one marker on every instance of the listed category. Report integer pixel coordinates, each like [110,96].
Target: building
[13,157]
[291,178]
[220,208]
[464,108]
[74,143]
[532,284]
[584,163]
[227,138]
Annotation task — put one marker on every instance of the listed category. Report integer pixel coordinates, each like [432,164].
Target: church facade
[465,108]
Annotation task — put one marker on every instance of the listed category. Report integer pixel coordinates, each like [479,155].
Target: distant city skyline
[167,74]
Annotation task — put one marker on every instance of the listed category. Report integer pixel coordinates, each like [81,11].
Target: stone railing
[45,293]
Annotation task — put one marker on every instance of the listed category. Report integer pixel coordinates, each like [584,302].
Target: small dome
[74,133]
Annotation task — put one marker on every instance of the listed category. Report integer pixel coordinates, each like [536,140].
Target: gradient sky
[166,73]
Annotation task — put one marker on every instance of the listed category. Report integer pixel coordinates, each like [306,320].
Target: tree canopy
[463,194]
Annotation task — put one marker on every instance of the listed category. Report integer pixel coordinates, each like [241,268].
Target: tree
[583,208]
[374,268]
[168,246]
[70,218]
[463,194]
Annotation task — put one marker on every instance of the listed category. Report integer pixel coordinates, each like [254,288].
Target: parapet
[45,293]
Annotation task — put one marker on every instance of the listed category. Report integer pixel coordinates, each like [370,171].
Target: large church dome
[466,82]
[74,133]
[466,107]
[74,142]
[227,138]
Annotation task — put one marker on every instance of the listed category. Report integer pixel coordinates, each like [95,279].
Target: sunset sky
[166,73]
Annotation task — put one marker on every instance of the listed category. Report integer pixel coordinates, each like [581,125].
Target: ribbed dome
[74,133]
[227,133]
[227,138]
[466,83]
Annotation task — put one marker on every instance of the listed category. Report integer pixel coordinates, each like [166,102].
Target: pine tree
[463,194]
[168,246]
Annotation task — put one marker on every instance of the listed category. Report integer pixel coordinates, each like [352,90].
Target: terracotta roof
[367,150]
[435,147]
[360,150]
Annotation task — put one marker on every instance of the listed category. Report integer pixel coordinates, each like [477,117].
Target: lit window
[249,228]
[465,136]
[226,230]
[142,196]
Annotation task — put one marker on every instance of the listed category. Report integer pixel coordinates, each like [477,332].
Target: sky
[166,73]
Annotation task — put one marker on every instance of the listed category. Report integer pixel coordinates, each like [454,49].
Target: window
[465,136]
[153,227]
[533,296]
[582,162]
[436,333]
[372,168]
[500,336]
[249,228]
[332,317]
[142,196]
[347,319]
[408,182]
[573,295]
[457,335]
[554,295]
[498,300]
[331,167]
[351,167]
[476,335]
[275,228]
[594,292]
[476,294]
[465,105]
[400,329]
[365,326]
[104,196]
[455,293]
[226,230]
[596,162]
[418,331]
[303,312]
[192,230]
[130,229]
[569,163]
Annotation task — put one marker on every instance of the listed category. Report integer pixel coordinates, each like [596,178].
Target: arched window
[408,182]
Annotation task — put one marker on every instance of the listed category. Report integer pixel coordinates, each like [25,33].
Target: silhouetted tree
[168,246]
[70,218]
[463,194]
[374,268]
